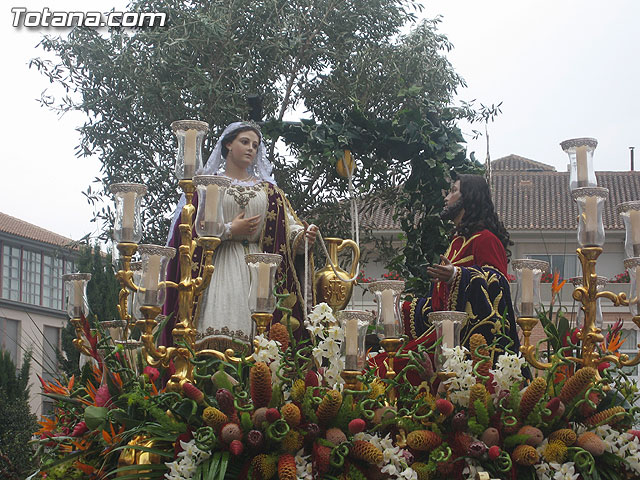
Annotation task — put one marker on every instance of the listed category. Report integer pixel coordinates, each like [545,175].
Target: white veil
[260,169]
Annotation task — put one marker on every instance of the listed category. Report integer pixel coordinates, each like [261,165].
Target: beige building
[33,261]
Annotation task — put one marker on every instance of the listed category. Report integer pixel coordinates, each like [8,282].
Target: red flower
[152,373]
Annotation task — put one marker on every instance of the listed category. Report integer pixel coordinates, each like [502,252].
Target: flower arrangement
[621,278]
[285,413]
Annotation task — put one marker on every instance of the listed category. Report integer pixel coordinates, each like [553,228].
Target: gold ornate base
[350,379]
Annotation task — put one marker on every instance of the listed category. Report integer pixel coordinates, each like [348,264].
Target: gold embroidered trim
[243,194]
[412,317]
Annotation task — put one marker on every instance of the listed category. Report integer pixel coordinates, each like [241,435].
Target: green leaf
[95,417]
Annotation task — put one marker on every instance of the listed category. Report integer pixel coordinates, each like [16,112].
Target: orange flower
[555,287]
[615,342]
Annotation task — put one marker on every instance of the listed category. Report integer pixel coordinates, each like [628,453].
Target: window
[9,337]
[11,272]
[50,349]
[31,268]
[564,264]
[52,282]
[69,267]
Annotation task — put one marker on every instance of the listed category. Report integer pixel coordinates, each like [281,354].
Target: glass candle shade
[132,350]
[633,267]
[601,283]
[447,325]
[211,190]
[190,135]
[132,310]
[152,288]
[630,212]
[389,318]
[590,202]
[115,328]
[75,286]
[354,324]
[128,224]
[528,273]
[262,272]
[580,151]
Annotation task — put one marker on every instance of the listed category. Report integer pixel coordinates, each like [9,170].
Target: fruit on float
[525,455]
[335,436]
[586,409]
[444,406]
[236,448]
[287,467]
[357,425]
[531,396]
[494,452]
[363,450]
[422,470]
[383,413]
[476,342]
[476,449]
[565,435]
[555,452]
[265,465]
[423,440]
[260,384]
[535,435]
[225,401]
[214,417]
[321,456]
[279,333]
[610,416]
[297,390]
[255,439]
[311,379]
[222,379]
[592,443]
[490,437]
[460,443]
[459,421]
[192,392]
[272,414]
[292,441]
[575,385]
[556,407]
[230,432]
[329,406]
[477,392]
[259,416]
[291,414]
[635,433]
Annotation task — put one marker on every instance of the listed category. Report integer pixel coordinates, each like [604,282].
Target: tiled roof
[531,195]
[20,228]
[516,162]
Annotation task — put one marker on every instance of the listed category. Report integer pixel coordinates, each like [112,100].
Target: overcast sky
[562,69]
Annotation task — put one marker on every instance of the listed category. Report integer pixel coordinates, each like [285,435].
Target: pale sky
[563,69]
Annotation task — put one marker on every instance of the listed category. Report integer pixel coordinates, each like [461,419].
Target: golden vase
[329,287]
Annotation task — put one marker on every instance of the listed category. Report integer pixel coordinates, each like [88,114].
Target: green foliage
[482,415]
[514,440]
[17,423]
[327,57]
[475,427]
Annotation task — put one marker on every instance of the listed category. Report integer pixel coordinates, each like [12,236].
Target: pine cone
[555,452]
[225,401]
[321,456]
[363,450]
[291,414]
[260,383]
[565,435]
[423,440]
[292,441]
[297,390]
[279,333]
[525,455]
[531,396]
[192,392]
[422,470]
[577,384]
[477,340]
[329,406]
[214,417]
[477,392]
[265,465]
[606,415]
[287,467]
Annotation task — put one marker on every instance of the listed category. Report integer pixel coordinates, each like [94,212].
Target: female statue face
[243,150]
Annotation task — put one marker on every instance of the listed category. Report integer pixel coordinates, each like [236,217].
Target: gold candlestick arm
[79,342]
[351,379]
[529,351]
[391,346]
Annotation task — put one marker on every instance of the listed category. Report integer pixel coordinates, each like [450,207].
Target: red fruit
[311,379]
[230,432]
[272,415]
[192,392]
[321,456]
[236,447]
[357,425]
[79,429]
[494,452]
[225,401]
[444,406]
[557,408]
[602,366]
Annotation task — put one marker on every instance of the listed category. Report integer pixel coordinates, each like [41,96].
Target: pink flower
[103,398]
[79,429]
[152,373]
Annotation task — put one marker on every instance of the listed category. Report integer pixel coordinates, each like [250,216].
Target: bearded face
[452,210]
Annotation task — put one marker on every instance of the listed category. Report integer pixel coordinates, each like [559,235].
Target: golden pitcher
[329,288]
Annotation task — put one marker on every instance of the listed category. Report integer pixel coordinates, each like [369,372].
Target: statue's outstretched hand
[444,272]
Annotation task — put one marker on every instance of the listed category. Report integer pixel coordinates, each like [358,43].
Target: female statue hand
[244,226]
[310,232]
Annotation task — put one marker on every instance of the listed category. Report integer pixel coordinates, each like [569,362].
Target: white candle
[78,294]
[211,205]
[351,337]
[388,317]
[189,152]
[128,210]
[634,218]
[527,285]
[152,273]
[447,334]
[264,271]
[581,166]
[591,214]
